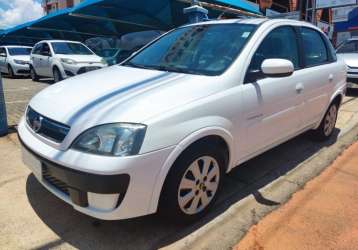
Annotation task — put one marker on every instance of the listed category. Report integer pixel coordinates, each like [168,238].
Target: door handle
[299,88]
[330,77]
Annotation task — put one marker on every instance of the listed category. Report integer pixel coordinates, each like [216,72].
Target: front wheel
[57,77]
[10,71]
[193,183]
[326,128]
[34,76]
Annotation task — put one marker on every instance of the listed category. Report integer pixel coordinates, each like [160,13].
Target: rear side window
[315,50]
[37,49]
[279,43]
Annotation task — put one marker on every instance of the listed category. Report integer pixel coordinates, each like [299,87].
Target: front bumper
[80,68]
[108,188]
[21,69]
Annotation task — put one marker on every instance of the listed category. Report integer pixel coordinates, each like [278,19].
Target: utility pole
[314,17]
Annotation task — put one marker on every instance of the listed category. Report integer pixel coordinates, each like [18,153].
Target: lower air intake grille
[60,185]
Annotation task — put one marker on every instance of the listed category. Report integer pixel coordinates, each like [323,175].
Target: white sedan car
[62,59]
[159,132]
[14,60]
[348,51]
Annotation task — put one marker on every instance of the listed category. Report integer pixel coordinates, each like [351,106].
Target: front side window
[37,49]
[45,50]
[314,47]
[66,48]
[349,47]
[207,49]
[19,51]
[281,43]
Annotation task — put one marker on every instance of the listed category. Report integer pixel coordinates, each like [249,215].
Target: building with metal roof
[113,18]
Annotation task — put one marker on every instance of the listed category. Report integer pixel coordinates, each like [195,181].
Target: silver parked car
[348,51]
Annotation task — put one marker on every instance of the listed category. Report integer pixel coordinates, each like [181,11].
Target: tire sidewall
[168,205]
[33,74]
[10,70]
[319,133]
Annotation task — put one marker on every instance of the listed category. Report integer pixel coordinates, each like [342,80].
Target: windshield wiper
[134,65]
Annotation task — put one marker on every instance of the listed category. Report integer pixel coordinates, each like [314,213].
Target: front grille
[60,185]
[46,127]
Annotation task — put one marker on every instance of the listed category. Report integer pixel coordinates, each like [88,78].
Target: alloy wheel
[330,120]
[198,185]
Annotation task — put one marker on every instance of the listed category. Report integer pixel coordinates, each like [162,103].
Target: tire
[328,123]
[10,71]
[33,74]
[187,194]
[57,77]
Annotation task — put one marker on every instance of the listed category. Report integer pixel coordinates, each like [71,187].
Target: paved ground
[32,218]
[324,215]
[18,93]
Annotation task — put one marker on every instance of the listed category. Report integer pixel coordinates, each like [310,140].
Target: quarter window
[280,43]
[315,50]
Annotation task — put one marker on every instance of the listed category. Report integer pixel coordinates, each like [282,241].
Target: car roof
[15,46]
[58,41]
[258,21]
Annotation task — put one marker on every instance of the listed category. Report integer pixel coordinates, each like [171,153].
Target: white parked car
[348,51]
[14,60]
[160,131]
[62,59]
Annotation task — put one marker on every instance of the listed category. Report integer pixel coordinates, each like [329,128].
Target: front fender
[185,143]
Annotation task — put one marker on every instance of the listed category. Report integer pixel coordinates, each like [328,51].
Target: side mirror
[2,54]
[277,68]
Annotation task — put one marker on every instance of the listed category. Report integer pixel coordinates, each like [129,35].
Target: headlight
[117,139]
[68,61]
[103,61]
[20,62]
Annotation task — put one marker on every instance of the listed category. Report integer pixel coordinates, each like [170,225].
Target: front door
[45,64]
[272,106]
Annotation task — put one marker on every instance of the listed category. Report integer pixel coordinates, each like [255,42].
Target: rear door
[272,106]
[319,74]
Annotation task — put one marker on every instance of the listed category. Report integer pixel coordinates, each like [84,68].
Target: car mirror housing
[2,54]
[277,68]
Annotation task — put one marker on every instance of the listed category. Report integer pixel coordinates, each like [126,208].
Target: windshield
[66,48]
[349,47]
[199,49]
[19,51]
[107,52]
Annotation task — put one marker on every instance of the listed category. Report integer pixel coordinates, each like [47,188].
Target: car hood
[22,58]
[120,94]
[351,59]
[82,58]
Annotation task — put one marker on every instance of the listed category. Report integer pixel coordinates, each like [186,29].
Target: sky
[14,12]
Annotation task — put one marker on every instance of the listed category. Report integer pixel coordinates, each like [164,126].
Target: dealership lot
[18,93]
[31,217]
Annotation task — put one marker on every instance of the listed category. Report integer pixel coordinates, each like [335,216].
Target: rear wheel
[33,74]
[326,128]
[193,183]
[57,77]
